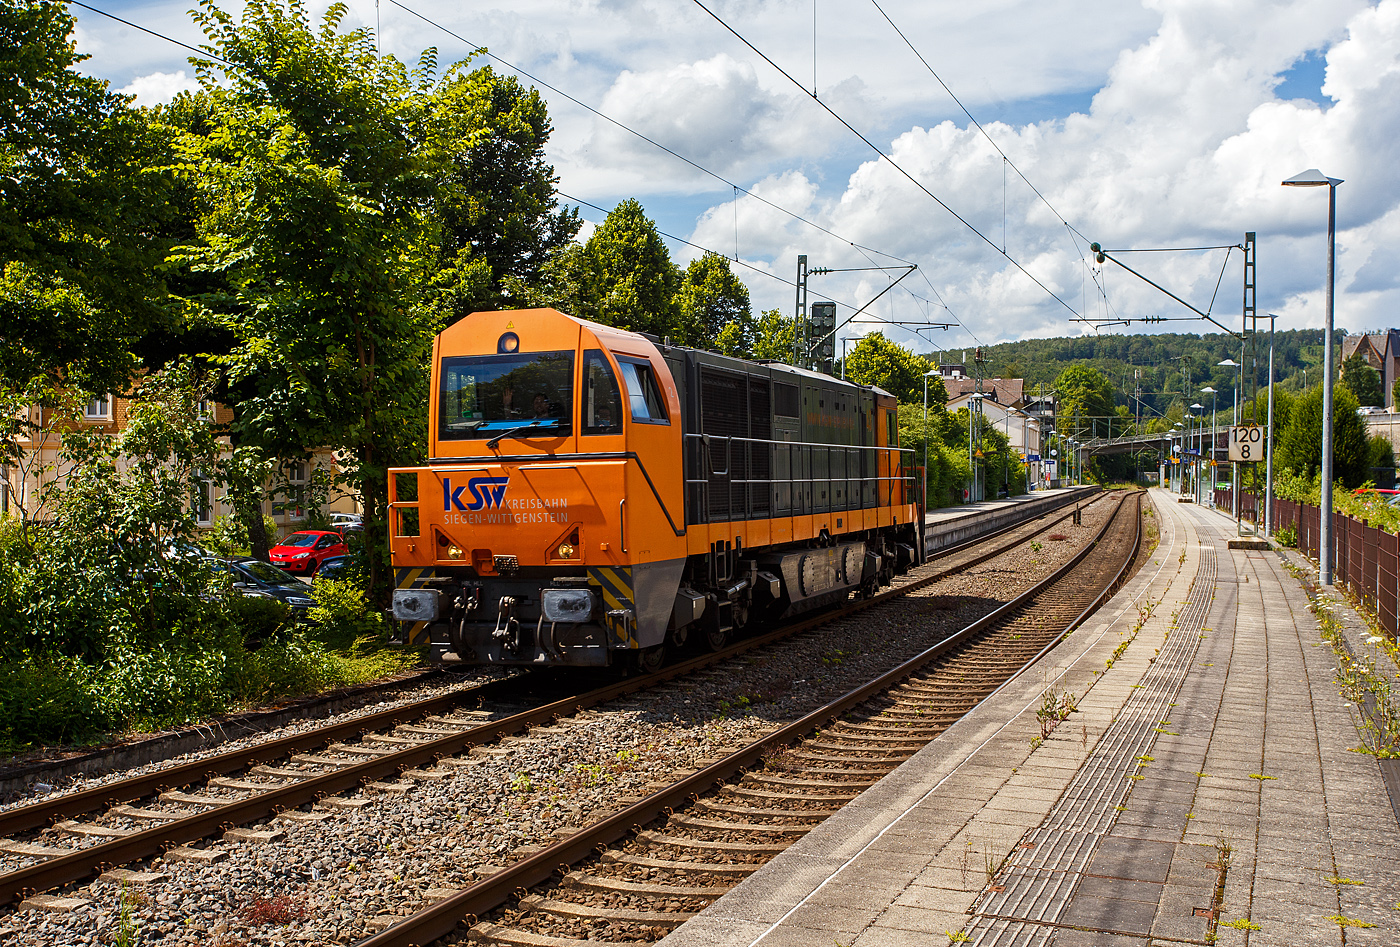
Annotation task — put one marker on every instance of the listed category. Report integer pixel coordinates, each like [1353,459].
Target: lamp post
[1315,178]
[1208,390]
[927,375]
[1180,459]
[1269,444]
[1200,452]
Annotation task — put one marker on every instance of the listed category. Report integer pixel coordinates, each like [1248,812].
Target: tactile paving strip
[1039,879]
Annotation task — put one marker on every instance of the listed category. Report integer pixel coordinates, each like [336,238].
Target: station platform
[955,524]
[1210,762]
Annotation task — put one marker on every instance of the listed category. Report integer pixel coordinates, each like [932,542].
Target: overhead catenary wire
[737,188]
[885,157]
[856,310]
[1006,160]
[169,39]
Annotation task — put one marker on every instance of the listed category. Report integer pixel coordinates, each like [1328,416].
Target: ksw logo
[486,492]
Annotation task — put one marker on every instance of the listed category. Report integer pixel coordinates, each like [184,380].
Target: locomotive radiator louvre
[760,456]
[722,416]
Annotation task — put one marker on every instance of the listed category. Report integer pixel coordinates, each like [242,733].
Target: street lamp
[927,375]
[1315,178]
[1200,452]
[1239,378]
[1178,429]
[1210,391]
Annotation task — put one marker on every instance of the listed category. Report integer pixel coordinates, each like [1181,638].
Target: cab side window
[643,393]
[601,404]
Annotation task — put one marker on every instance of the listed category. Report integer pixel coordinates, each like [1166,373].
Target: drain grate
[1027,905]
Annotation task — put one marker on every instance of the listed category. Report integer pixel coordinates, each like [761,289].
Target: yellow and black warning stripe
[417,634]
[614,583]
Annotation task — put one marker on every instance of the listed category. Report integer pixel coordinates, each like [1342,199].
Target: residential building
[1382,352]
[39,463]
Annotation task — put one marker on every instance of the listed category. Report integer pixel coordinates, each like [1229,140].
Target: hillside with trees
[1154,364]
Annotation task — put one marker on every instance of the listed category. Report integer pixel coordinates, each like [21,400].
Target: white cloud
[1148,124]
[1185,145]
[159,87]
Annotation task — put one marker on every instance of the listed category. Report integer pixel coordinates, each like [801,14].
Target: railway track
[638,874]
[298,778]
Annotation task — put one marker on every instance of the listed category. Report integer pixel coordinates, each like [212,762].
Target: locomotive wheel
[716,638]
[650,660]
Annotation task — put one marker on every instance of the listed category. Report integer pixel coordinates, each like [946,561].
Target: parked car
[255,578]
[304,551]
[335,567]
[339,520]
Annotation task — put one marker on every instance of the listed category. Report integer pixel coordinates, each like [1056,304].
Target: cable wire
[204,53]
[876,148]
[481,50]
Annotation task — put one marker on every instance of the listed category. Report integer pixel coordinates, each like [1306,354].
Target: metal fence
[1365,559]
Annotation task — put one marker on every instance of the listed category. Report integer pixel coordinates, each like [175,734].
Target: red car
[304,551]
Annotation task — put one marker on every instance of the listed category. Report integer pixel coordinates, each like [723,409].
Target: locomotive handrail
[715,482]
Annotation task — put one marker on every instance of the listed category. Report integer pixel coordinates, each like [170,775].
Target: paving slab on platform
[1217,736]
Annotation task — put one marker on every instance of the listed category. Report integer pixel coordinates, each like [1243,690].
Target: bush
[107,624]
[47,700]
[343,614]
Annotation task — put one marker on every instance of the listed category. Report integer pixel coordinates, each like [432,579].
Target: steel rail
[81,863]
[442,918]
[36,815]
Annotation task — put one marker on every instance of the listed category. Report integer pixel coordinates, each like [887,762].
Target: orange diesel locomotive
[593,495]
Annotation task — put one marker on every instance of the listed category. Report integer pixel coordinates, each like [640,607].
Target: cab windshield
[485,396]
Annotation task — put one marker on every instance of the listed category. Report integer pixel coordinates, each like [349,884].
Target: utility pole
[799,319]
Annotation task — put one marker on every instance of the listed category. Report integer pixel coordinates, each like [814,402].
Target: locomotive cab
[590,495]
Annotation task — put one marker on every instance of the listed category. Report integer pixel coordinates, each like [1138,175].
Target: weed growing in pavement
[1241,924]
[956,937]
[990,863]
[1036,547]
[1054,708]
[1345,922]
[1370,689]
[1261,777]
[1338,880]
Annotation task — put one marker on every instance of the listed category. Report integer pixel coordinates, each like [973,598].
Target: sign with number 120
[1247,442]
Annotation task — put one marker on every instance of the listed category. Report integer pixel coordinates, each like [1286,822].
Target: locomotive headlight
[572,605]
[455,551]
[566,551]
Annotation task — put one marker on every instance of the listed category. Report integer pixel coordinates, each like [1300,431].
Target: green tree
[1085,402]
[1362,380]
[1379,453]
[624,275]
[500,220]
[713,306]
[877,361]
[1300,448]
[78,205]
[773,337]
[315,205]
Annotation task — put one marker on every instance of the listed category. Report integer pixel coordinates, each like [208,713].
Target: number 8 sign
[1247,443]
